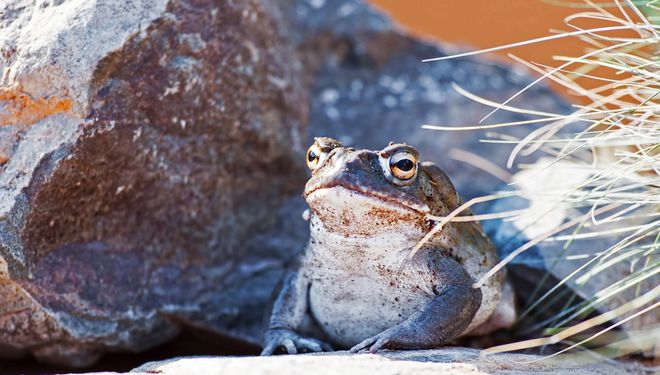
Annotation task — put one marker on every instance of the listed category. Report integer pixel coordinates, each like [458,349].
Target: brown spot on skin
[21,109]
[387,273]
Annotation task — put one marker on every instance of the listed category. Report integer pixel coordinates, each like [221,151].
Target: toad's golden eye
[318,152]
[314,155]
[403,165]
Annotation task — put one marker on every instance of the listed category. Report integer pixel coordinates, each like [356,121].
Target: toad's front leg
[441,320]
[286,316]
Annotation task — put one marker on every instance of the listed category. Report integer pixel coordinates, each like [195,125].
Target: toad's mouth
[396,203]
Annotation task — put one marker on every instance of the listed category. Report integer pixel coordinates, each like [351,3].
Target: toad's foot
[292,342]
[390,338]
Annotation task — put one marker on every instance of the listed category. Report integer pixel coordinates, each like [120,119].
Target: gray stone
[441,361]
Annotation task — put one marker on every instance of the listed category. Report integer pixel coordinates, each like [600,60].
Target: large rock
[145,142]
[443,361]
[370,87]
[152,154]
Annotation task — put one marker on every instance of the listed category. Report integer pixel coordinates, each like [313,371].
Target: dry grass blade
[581,327]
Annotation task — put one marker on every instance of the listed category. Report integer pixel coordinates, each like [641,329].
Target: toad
[354,285]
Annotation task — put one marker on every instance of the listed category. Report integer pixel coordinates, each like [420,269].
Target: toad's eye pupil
[405,165]
[311,156]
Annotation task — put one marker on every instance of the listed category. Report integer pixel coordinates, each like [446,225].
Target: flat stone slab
[439,361]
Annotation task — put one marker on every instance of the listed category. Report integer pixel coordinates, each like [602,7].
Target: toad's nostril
[331,155]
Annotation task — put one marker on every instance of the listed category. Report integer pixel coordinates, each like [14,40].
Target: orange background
[477,24]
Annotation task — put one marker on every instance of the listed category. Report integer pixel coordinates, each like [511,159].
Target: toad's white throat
[352,214]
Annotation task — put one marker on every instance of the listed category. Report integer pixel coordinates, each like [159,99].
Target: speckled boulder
[143,142]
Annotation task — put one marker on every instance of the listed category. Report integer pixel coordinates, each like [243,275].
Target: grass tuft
[609,152]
